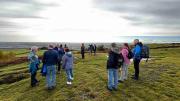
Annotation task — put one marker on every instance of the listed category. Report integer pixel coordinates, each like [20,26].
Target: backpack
[44,70]
[115,60]
[144,51]
[120,60]
[130,54]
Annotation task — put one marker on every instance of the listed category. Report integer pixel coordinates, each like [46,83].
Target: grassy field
[159,80]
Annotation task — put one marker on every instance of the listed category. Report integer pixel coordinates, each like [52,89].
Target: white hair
[34,48]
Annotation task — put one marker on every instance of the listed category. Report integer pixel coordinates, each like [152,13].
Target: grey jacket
[67,61]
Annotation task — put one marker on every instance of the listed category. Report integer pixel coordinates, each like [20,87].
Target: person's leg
[136,66]
[110,79]
[138,61]
[32,79]
[35,77]
[82,55]
[48,77]
[53,72]
[59,66]
[115,76]
[126,71]
[134,61]
[68,75]
[71,73]
[121,78]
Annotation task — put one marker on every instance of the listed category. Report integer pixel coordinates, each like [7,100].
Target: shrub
[43,48]
[101,48]
[6,56]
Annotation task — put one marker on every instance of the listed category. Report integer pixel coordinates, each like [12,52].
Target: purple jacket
[67,61]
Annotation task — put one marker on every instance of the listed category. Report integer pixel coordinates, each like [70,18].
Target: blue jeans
[51,76]
[112,78]
[69,73]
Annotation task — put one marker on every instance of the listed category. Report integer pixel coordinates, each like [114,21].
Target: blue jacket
[33,62]
[50,57]
[67,61]
[137,52]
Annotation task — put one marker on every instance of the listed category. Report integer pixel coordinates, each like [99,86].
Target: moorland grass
[159,81]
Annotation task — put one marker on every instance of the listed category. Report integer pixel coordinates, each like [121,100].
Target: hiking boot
[115,89]
[109,89]
[53,87]
[134,78]
[120,81]
[49,88]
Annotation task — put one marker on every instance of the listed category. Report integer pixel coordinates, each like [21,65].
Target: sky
[87,20]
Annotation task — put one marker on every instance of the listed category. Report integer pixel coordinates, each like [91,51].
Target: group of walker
[118,58]
[54,56]
[92,49]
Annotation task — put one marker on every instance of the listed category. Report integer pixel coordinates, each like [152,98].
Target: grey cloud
[6,24]
[10,9]
[6,37]
[149,13]
[19,8]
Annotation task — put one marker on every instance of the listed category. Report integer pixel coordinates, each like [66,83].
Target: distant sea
[122,39]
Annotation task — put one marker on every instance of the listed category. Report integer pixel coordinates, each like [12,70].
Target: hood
[115,50]
[69,54]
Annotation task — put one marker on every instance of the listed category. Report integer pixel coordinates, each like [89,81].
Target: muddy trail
[15,61]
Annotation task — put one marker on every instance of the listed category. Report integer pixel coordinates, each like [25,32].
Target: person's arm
[137,51]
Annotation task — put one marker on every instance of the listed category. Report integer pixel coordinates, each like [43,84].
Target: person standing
[50,59]
[124,70]
[67,64]
[33,65]
[90,49]
[82,50]
[94,49]
[112,67]
[136,58]
[61,54]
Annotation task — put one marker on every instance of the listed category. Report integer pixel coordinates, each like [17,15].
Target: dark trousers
[136,68]
[94,53]
[33,79]
[82,54]
[59,65]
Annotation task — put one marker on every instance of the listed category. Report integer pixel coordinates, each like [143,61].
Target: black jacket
[113,60]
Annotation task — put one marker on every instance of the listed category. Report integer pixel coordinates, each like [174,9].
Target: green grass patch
[159,81]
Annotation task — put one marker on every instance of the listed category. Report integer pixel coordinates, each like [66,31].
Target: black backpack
[115,60]
[120,60]
[144,51]
[130,54]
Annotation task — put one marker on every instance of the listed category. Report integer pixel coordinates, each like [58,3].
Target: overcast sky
[87,20]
